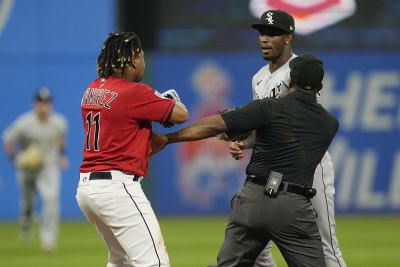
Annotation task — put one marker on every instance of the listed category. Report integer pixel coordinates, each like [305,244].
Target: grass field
[192,242]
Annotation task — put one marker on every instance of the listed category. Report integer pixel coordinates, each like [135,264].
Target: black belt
[108,176]
[302,190]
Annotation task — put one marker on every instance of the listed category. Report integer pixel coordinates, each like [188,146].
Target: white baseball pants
[124,219]
[323,203]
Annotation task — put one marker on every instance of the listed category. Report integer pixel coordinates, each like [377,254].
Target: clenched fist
[238,149]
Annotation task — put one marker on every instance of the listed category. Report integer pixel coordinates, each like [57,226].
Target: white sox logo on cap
[269,18]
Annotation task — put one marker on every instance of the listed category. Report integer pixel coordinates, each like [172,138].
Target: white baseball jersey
[28,129]
[267,84]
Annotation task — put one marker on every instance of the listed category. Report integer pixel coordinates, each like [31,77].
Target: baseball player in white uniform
[35,143]
[276,29]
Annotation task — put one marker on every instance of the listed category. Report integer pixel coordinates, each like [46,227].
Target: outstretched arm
[207,127]
[158,142]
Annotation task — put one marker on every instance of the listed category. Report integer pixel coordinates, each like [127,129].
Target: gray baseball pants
[47,182]
[289,220]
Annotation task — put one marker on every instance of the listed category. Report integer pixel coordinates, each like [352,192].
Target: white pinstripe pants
[124,219]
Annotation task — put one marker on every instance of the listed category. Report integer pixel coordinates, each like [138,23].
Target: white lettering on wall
[356,176]
[394,187]
[346,101]
[347,162]
[369,103]
[366,197]
[378,112]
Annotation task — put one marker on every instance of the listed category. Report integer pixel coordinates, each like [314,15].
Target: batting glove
[171,93]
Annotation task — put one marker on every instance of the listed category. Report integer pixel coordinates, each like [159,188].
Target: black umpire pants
[289,220]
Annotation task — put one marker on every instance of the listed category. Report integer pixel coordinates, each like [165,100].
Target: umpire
[292,135]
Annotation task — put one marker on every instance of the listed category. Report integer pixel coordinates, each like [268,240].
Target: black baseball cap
[307,71]
[276,19]
[43,95]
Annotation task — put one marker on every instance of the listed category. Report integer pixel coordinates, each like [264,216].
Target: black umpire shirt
[292,135]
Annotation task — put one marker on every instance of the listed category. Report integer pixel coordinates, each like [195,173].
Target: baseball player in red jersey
[117,111]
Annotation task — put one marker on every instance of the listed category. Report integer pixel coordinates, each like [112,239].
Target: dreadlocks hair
[117,51]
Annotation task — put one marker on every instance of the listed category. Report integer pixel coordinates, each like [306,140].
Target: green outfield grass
[192,242]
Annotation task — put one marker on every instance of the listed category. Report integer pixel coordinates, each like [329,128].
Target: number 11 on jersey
[90,121]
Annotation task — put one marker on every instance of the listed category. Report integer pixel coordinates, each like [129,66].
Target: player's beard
[274,55]
[269,58]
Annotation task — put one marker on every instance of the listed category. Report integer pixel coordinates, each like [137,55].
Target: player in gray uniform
[276,35]
[43,132]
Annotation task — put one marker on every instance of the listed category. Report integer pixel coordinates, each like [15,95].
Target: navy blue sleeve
[249,117]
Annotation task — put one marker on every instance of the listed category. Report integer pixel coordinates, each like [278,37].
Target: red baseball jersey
[117,116]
